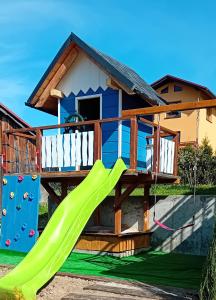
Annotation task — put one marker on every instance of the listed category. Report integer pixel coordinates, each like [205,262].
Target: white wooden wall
[83,75]
[68,150]
[167,154]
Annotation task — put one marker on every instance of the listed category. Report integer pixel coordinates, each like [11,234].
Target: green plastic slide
[60,234]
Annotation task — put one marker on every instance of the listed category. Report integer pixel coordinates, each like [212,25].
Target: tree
[204,158]
[208,282]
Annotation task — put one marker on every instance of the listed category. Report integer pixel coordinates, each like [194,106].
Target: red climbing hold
[20,178]
[31,232]
[7,243]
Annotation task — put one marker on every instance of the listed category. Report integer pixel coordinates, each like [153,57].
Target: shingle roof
[119,71]
[138,84]
[167,78]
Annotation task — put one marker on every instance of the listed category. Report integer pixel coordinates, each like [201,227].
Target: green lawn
[153,267]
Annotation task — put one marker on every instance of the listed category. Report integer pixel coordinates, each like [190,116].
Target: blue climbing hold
[18,207]
[31,197]
[24,225]
[17,237]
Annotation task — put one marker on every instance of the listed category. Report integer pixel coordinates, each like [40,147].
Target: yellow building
[195,125]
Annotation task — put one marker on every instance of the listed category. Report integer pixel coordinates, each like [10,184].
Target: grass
[43,215]
[175,189]
[160,190]
[153,267]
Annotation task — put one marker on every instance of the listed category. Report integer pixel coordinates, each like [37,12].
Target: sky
[154,38]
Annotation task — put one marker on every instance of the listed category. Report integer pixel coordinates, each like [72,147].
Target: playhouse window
[177,88]
[173,114]
[209,114]
[89,108]
[165,90]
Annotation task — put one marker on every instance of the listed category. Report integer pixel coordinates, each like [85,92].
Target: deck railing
[82,146]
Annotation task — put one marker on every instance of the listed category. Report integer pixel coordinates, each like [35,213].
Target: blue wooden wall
[110,104]
[20,223]
[131,102]
[109,110]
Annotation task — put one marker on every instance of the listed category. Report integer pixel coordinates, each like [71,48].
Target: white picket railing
[167,154]
[68,150]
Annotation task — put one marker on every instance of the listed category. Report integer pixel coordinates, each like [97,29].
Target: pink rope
[163,225]
[169,228]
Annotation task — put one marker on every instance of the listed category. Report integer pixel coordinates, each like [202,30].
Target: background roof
[167,78]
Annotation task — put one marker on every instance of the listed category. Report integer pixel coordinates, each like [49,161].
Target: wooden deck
[121,244]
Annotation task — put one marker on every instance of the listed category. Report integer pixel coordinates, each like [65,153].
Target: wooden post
[97,216]
[146,214]
[97,141]
[133,143]
[38,149]
[118,210]
[176,140]
[156,157]
[64,190]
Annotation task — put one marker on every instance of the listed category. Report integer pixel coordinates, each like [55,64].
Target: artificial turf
[158,268]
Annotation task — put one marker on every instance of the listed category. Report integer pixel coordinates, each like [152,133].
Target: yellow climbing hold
[25,196]
[4,180]
[12,195]
[34,177]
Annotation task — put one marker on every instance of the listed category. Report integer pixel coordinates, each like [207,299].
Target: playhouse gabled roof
[121,73]
[168,78]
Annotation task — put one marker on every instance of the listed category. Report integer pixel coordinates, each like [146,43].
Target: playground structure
[118,131]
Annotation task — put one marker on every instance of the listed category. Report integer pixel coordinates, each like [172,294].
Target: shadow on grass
[177,270]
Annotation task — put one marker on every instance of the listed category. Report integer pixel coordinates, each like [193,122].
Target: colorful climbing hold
[4,212]
[31,197]
[7,243]
[34,177]
[17,236]
[12,195]
[25,196]
[4,180]
[18,207]
[31,232]
[20,178]
[23,227]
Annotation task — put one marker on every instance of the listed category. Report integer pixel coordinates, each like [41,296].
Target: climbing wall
[20,206]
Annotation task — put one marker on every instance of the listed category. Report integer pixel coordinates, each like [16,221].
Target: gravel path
[61,286]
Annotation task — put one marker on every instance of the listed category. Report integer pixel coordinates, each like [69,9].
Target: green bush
[201,156]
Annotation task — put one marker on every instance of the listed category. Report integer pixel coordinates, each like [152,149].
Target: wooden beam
[97,141]
[118,211]
[133,143]
[166,130]
[114,84]
[169,108]
[27,136]
[96,216]
[57,77]
[146,215]
[51,73]
[39,149]
[56,94]
[64,189]
[51,192]
[125,194]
